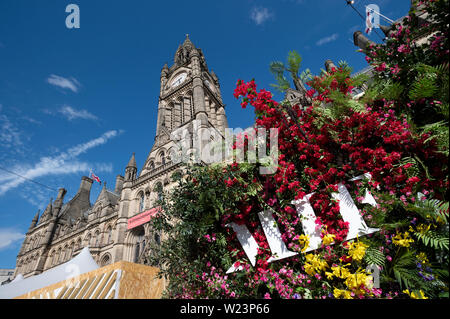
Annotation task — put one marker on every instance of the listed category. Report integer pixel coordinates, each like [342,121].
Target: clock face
[178,79]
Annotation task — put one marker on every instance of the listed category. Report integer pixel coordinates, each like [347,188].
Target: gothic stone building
[110,227]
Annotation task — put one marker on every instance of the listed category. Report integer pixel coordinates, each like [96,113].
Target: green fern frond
[404,269]
[294,61]
[435,209]
[433,240]
[439,131]
[374,256]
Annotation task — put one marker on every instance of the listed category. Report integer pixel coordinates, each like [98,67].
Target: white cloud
[260,15]
[62,164]
[65,83]
[10,135]
[8,237]
[71,114]
[328,39]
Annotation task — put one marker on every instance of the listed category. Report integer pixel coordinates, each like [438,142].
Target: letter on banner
[248,243]
[273,236]
[308,218]
[350,214]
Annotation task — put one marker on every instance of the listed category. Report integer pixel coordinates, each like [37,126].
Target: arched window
[88,240]
[52,258]
[61,255]
[109,230]
[57,256]
[152,165]
[97,239]
[66,253]
[78,245]
[141,202]
[163,158]
[106,260]
[72,245]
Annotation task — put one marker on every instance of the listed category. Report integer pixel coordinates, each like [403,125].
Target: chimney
[386,30]
[361,41]
[329,65]
[85,185]
[119,184]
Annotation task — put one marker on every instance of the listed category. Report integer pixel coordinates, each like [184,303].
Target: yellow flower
[329,275]
[314,264]
[304,242]
[328,239]
[309,269]
[309,257]
[422,258]
[357,250]
[356,280]
[403,241]
[340,272]
[414,295]
[337,293]
[422,228]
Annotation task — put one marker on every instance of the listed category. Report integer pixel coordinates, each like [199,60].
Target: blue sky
[72,100]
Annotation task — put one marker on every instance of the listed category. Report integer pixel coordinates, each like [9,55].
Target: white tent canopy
[80,264]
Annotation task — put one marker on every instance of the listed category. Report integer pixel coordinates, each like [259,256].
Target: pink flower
[395,69]
[404,49]
[267,296]
[381,67]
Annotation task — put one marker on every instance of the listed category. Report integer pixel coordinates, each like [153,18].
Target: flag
[369,18]
[95,177]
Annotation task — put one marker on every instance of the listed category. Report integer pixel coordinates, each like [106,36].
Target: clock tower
[190,100]
[189,91]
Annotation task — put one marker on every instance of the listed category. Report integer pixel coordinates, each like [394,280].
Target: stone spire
[184,51]
[131,169]
[187,42]
[132,161]
[35,220]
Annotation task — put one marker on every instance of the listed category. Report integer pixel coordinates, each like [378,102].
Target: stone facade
[189,91]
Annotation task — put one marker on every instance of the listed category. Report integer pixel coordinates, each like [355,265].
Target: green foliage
[428,81]
[294,61]
[374,256]
[433,240]
[277,69]
[292,67]
[431,209]
[404,269]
